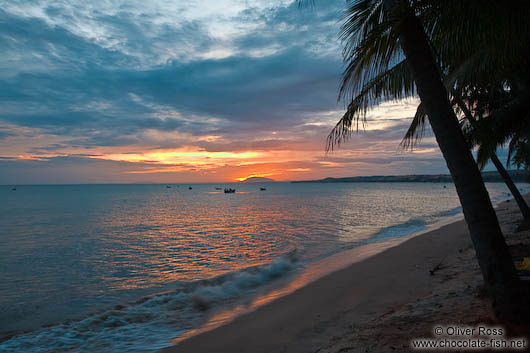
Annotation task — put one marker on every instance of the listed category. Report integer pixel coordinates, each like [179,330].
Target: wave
[448,213]
[414,225]
[148,324]
[411,226]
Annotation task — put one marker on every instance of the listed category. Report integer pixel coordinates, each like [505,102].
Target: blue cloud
[72,86]
[110,75]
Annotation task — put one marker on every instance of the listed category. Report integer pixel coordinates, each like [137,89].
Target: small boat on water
[14,189]
[218,188]
[168,187]
[230,191]
[263,189]
[190,188]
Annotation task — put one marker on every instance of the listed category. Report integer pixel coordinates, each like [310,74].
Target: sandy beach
[375,305]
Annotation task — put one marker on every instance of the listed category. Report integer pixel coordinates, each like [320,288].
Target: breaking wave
[148,324]
[399,230]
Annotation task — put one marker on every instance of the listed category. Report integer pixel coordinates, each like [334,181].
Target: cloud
[79,80]
[77,86]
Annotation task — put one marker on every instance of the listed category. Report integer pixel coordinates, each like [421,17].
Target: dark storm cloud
[33,46]
[5,134]
[71,86]
[281,86]
[122,75]
[289,25]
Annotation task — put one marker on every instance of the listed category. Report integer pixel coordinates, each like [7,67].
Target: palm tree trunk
[523,206]
[492,252]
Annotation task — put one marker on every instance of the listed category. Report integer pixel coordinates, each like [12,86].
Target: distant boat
[230,191]
[168,187]
[190,188]
[14,189]
[218,188]
[263,189]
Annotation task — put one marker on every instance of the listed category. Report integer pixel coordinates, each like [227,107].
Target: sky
[178,91]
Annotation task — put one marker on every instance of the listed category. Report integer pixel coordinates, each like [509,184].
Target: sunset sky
[183,91]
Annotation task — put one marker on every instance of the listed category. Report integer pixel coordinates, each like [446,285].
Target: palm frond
[393,84]
[468,40]
[416,129]
[502,125]
[370,45]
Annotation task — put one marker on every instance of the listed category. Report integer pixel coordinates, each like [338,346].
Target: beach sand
[376,305]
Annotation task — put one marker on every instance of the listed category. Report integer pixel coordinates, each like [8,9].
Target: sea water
[127,268]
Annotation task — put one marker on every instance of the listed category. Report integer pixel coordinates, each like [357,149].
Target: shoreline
[215,316]
[313,271]
[322,313]
[309,274]
[308,317]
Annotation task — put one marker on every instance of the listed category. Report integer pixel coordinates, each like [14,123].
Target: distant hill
[258,180]
[520,176]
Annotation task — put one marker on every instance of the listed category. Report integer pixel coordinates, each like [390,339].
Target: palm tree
[396,83]
[499,116]
[523,206]
[374,33]
[487,145]
[492,253]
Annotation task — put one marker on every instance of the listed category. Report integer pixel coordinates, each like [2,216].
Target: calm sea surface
[125,268]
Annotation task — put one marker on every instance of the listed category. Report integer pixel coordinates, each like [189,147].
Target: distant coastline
[518,176]
[255,180]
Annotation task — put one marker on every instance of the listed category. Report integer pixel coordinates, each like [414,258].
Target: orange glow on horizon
[158,156]
[186,157]
[254,176]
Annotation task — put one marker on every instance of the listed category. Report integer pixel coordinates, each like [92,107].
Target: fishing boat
[230,191]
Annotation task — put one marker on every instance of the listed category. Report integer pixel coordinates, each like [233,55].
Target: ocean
[129,268]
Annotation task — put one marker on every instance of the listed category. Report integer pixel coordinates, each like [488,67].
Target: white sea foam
[150,323]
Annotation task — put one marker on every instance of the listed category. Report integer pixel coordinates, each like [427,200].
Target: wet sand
[328,308]
[376,305]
